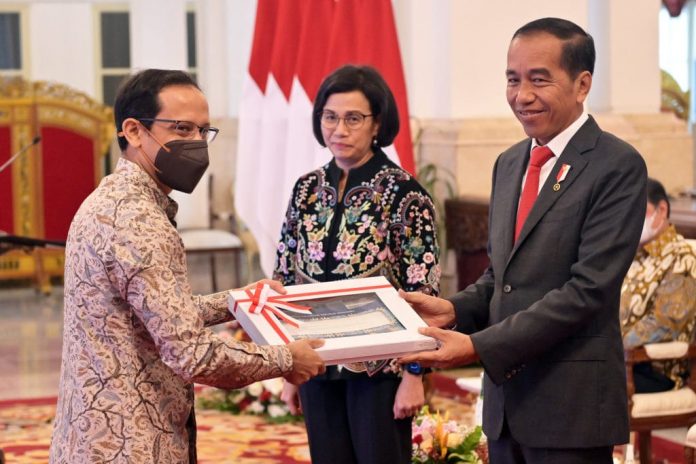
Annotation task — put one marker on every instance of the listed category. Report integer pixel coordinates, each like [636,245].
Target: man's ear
[583,83]
[662,209]
[130,129]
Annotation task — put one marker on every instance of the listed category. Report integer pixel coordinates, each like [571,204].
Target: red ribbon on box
[261,303]
[269,306]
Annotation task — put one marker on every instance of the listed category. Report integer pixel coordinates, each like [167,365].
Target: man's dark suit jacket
[544,316]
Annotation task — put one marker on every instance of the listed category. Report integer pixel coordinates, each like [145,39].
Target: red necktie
[540,155]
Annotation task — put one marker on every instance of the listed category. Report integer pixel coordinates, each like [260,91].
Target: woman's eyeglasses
[353,120]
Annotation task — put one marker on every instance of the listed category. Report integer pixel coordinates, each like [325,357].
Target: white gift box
[359,319]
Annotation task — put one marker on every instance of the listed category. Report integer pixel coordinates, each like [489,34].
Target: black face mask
[183,165]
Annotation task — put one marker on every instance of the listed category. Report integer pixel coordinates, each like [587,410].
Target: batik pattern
[658,297]
[134,337]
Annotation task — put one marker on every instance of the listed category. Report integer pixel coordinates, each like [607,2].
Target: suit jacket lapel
[585,139]
[509,194]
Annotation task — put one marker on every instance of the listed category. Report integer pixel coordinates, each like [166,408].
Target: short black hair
[578,50]
[657,193]
[138,96]
[367,80]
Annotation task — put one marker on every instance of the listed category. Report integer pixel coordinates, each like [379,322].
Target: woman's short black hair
[367,80]
[657,193]
[138,96]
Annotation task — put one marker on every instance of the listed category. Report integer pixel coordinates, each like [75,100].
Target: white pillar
[211,31]
[455,52]
[599,27]
[158,34]
[628,74]
[636,82]
[240,18]
[59,53]
[426,52]
[225,35]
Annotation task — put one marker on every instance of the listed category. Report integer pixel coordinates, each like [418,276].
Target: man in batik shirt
[134,336]
[658,296]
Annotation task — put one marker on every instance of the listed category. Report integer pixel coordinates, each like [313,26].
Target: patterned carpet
[25,433]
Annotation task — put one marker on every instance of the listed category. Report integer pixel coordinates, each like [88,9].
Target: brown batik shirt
[658,298]
[134,336]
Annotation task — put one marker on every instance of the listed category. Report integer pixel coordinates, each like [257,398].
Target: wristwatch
[414,368]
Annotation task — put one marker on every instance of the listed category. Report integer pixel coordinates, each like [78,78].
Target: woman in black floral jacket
[360,215]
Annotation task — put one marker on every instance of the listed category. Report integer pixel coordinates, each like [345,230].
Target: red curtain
[68,177]
[6,209]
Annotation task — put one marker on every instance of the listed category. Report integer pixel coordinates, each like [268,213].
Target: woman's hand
[291,397]
[410,396]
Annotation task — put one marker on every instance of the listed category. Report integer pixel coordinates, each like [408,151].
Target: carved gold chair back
[43,188]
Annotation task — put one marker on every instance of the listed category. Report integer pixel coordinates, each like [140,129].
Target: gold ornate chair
[41,191]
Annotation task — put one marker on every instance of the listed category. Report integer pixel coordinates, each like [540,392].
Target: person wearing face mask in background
[658,296]
[135,338]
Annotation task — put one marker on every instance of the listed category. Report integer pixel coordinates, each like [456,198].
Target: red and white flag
[296,44]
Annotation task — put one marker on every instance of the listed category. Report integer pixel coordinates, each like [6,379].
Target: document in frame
[359,319]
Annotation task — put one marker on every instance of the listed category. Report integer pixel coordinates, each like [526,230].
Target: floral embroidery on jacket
[384,225]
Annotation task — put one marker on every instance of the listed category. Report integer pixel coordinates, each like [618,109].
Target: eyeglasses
[187,129]
[353,120]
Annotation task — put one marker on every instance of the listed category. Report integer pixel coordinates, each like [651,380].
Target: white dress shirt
[557,145]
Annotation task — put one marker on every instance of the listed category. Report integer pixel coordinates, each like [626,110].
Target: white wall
[426,51]
[158,34]
[635,73]
[225,31]
[61,39]
[481,76]
[454,51]
[240,19]
[675,48]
